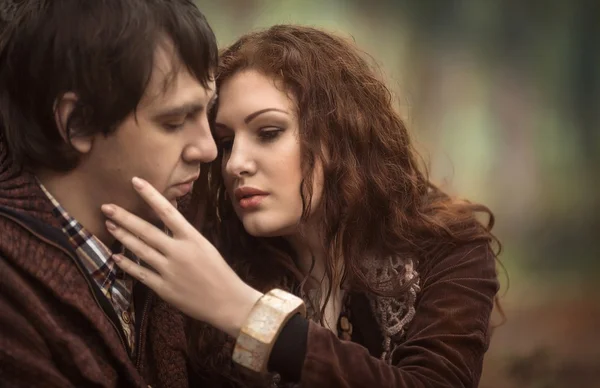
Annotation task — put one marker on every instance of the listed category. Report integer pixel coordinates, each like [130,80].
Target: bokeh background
[503,98]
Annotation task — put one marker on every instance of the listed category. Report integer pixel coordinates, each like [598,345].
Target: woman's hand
[190,272]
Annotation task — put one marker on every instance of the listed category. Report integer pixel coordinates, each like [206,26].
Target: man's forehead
[190,93]
[171,80]
[167,65]
[166,59]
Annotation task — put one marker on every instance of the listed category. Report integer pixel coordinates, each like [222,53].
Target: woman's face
[256,128]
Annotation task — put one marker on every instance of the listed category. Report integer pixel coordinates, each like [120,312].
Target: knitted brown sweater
[56,330]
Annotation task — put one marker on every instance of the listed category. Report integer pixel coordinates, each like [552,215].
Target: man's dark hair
[7,12]
[103,51]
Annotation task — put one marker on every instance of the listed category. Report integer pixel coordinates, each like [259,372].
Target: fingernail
[110,225]
[137,182]
[109,210]
[117,258]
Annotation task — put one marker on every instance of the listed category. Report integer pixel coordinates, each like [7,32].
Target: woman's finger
[155,237]
[144,275]
[168,214]
[139,248]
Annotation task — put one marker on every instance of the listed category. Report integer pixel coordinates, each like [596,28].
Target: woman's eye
[270,133]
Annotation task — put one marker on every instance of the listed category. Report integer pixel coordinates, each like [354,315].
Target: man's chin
[145,212]
[149,214]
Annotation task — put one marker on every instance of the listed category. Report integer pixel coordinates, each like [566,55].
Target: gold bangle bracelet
[262,327]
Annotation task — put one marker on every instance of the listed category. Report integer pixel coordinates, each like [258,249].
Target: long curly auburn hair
[377,199]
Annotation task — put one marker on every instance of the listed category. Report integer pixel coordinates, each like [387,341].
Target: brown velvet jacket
[56,329]
[443,346]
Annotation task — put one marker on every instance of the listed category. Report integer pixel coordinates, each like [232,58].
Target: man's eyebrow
[181,110]
[185,109]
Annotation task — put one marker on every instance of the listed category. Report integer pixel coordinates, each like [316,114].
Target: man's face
[164,142]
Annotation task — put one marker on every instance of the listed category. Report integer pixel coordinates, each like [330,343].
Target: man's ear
[63,108]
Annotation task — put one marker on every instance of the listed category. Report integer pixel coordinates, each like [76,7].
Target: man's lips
[184,188]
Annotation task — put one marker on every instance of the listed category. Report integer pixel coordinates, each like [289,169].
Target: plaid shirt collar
[96,258]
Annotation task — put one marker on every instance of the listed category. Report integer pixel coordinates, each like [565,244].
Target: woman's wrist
[233,314]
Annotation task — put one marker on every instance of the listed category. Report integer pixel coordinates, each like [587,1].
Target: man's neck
[72,193]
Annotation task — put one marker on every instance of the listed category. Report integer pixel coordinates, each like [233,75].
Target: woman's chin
[264,229]
[261,231]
